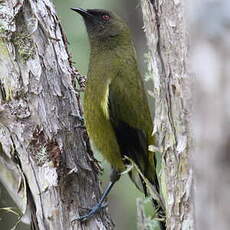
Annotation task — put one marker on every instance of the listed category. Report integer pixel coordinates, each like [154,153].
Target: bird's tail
[150,188]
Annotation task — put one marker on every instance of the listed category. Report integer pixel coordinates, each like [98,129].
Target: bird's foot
[98,207]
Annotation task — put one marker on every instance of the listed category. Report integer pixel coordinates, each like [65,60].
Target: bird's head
[102,24]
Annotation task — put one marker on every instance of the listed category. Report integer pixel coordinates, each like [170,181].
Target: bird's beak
[82,12]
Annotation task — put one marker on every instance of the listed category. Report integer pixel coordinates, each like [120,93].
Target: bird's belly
[102,135]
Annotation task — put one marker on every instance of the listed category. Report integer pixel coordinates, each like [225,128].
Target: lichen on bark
[41,140]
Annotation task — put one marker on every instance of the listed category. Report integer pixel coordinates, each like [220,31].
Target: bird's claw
[91,213]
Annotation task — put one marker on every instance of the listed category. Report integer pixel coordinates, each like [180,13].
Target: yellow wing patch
[105,101]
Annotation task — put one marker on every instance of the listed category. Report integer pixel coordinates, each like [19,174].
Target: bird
[116,111]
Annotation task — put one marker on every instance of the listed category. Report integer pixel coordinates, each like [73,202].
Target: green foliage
[14,211]
[145,222]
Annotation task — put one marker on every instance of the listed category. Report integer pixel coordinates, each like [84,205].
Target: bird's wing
[133,141]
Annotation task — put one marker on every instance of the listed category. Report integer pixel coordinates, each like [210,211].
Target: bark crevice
[40,121]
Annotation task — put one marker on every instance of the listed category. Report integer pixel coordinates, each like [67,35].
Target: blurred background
[122,200]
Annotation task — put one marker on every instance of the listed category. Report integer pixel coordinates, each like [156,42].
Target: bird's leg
[115,175]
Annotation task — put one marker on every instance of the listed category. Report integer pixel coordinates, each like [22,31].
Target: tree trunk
[45,162]
[164,24]
[210,59]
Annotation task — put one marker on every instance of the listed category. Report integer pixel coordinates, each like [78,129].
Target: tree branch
[43,146]
[167,41]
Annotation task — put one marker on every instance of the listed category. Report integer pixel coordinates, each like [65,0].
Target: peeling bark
[45,160]
[165,29]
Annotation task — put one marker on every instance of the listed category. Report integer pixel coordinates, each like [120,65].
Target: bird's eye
[105,17]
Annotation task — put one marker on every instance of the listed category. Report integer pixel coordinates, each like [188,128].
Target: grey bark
[210,22]
[164,24]
[45,162]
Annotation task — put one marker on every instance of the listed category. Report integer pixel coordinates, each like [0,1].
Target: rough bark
[45,162]
[210,61]
[164,24]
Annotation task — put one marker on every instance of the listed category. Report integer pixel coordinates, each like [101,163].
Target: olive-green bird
[116,111]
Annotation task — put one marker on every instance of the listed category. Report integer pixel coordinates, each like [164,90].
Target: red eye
[105,17]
